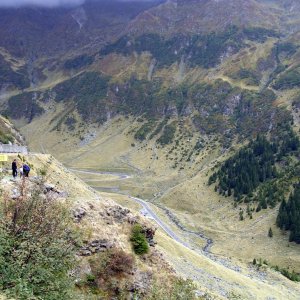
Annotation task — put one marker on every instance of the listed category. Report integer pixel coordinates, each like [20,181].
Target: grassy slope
[196,205]
[185,261]
[244,240]
[207,272]
[92,226]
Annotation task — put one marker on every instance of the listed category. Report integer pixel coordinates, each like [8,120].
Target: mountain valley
[190,107]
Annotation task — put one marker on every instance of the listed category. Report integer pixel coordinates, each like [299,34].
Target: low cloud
[54,3]
[43,3]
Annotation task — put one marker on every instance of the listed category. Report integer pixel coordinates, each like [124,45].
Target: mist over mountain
[54,3]
[47,3]
[36,31]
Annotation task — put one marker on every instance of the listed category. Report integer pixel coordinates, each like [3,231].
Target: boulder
[95,246]
[141,282]
[85,252]
[118,213]
[15,194]
[78,214]
[49,187]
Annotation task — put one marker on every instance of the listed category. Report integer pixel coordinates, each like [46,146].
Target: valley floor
[200,231]
[191,256]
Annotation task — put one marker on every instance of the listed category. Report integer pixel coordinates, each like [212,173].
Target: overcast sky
[46,3]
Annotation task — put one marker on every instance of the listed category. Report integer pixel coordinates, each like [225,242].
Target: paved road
[161,224]
[148,211]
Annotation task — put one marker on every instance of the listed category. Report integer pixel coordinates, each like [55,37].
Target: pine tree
[241,215]
[258,207]
[289,215]
[264,204]
[270,233]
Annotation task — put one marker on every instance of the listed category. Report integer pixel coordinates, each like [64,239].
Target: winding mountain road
[161,224]
[149,212]
[236,279]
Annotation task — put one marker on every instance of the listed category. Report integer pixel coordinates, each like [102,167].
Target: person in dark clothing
[26,170]
[14,168]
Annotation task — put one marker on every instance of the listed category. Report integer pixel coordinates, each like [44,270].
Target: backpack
[26,168]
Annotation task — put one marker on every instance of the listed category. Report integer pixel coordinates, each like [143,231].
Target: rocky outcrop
[141,282]
[78,214]
[51,189]
[95,246]
[114,215]
[118,213]
[149,233]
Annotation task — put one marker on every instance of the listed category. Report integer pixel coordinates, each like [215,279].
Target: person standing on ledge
[26,170]
[14,168]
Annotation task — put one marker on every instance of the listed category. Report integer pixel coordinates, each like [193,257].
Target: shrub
[110,271]
[138,240]
[270,233]
[5,138]
[252,78]
[36,247]
[43,172]
[144,130]
[290,275]
[112,263]
[259,34]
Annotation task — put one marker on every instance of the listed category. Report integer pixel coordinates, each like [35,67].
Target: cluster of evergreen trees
[18,78]
[78,62]
[200,50]
[24,105]
[289,215]
[264,171]
[241,174]
[255,166]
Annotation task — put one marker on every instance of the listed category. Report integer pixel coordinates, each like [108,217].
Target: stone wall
[4,148]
